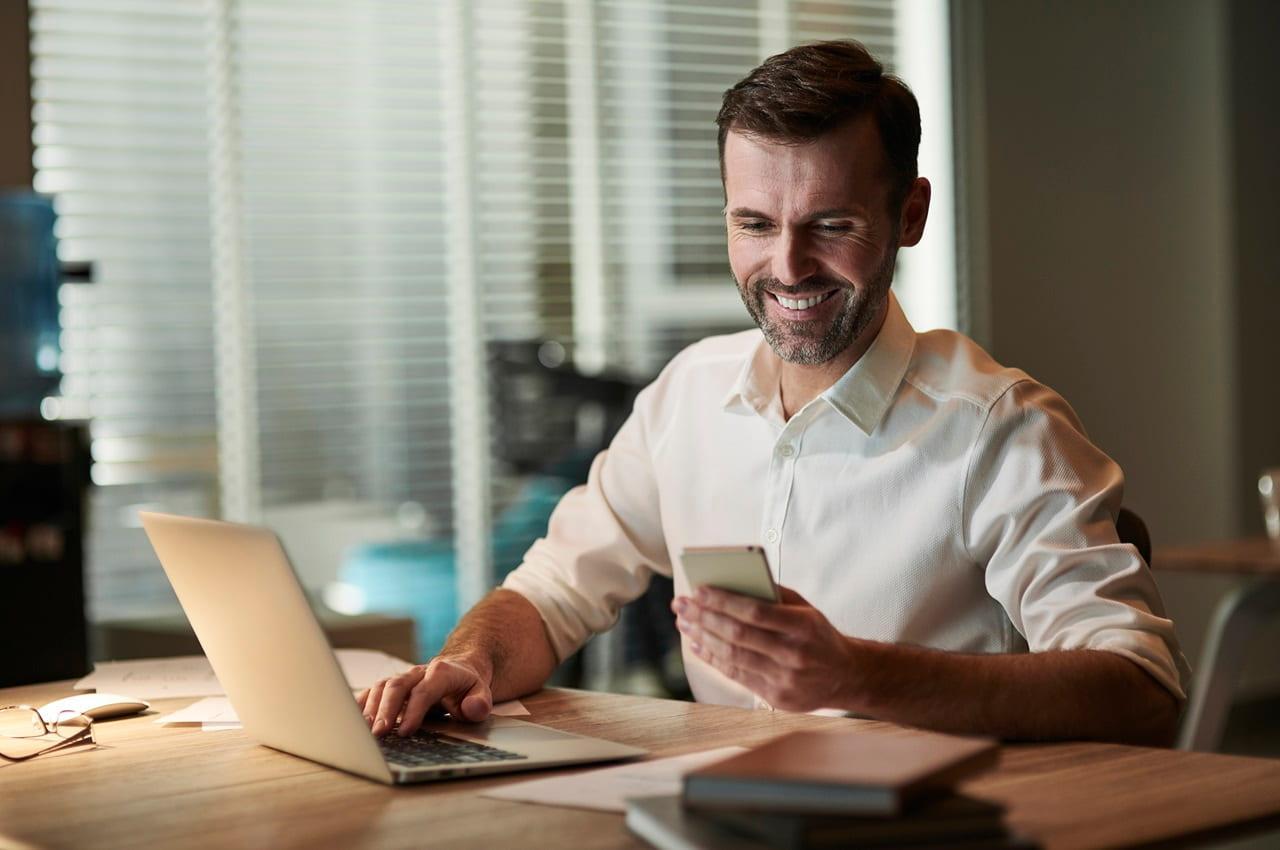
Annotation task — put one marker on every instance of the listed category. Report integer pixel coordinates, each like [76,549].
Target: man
[931,515]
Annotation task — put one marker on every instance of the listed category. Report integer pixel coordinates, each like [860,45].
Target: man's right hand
[459,686]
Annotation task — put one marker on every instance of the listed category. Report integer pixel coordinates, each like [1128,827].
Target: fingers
[756,612]
[708,625]
[394,693]
[454,686]
[372,699]
[787,596]
[434,688]
[741,665]
[739,655]
[477,704]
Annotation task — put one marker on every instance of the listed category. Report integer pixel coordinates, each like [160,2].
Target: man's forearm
[504,635]
[1082,694]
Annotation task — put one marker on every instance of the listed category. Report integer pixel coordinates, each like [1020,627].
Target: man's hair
[810,90]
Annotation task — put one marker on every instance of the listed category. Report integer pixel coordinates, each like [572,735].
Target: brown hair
[797,96]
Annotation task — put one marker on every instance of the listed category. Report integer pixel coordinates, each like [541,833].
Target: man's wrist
[857,693]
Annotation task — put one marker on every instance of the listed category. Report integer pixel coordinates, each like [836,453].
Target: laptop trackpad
[517,734]
[502,732]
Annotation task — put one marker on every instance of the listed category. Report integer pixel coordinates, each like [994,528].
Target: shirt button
[786,450]
[771,535]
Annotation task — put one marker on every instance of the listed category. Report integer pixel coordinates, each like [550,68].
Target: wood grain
[148,786]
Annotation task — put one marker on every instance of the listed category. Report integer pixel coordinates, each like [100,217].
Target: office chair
[1131,529]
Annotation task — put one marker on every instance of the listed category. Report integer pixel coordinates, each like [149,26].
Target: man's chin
[800,352]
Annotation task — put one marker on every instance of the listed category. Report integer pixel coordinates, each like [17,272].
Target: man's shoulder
[706,369]
[948,366]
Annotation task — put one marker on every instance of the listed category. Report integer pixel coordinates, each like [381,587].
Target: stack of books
[817,790]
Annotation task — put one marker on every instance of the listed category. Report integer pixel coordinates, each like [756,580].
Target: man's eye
[833,228]
[754,226]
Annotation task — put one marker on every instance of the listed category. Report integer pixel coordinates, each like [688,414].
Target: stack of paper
[192,676]
[215,714]
[212,714]
[608,789]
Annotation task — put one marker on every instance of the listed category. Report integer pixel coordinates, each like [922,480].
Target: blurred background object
[1269,493]
[43,465]
[29,278]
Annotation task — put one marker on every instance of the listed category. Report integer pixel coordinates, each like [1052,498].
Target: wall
[1121,245]
[15,96]
[1253,33]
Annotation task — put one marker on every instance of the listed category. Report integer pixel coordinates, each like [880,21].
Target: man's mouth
[803,303]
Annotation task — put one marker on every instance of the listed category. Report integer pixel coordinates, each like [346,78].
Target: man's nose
[793,259]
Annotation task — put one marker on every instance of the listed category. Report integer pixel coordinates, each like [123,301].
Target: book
[950,819]
[666,823]
[839,773]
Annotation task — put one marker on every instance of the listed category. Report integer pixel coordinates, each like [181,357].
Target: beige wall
[1123,249]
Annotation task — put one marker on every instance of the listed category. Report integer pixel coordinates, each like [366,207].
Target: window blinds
[310,222]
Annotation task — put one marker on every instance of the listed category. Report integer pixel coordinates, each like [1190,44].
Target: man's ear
[915,210]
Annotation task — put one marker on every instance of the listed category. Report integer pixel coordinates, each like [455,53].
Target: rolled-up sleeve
[603,544]
[1039,508]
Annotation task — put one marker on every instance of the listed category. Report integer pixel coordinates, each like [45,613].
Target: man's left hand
[786,652]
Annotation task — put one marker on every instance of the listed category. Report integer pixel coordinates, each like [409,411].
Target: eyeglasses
[24,734]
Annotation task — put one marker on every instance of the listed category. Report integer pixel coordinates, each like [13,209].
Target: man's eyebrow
[835,212]
[838,212]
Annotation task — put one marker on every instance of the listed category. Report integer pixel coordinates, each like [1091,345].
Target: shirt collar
[862,395]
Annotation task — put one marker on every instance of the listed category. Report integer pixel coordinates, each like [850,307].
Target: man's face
[811,239]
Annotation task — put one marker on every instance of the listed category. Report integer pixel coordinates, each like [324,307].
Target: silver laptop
[244,601]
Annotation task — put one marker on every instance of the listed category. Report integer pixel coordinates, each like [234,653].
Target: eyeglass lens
[23,733]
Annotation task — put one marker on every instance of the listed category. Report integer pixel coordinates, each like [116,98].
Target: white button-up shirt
[929,497]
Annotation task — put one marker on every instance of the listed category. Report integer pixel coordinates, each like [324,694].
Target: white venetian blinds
[310,221]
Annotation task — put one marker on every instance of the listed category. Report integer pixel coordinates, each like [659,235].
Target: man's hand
[787,652]
[458,685]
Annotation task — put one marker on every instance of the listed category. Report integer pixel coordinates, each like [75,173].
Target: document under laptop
[248,610]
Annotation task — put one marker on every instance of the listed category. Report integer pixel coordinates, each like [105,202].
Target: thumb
[478,702]
[787,596]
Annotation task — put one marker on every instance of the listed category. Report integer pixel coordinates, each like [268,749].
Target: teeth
[803,303]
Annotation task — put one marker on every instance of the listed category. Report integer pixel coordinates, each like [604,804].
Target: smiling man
[943,530]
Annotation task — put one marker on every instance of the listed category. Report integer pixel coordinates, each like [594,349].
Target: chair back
[1131,529]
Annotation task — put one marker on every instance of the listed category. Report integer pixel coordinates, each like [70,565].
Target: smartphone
[740,569]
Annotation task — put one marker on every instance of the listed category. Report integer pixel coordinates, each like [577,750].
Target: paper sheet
[216,713]
[191,675]
[608,789]
[208,710]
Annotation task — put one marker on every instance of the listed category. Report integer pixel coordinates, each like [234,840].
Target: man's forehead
[840,168]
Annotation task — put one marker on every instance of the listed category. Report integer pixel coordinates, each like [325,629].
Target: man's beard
[809,342]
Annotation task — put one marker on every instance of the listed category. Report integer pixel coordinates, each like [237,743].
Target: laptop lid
[239,591]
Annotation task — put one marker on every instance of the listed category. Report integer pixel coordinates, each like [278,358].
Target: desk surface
[1247,556]
[148,786]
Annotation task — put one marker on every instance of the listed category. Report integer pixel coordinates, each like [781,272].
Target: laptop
[240,593]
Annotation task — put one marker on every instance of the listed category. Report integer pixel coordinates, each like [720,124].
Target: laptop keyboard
[427,748]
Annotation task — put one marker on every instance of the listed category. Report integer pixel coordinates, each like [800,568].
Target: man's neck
[800,385]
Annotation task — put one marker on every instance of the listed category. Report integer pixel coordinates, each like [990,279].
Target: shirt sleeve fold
[1039,508]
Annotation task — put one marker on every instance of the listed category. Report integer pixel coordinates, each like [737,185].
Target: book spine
[705,792]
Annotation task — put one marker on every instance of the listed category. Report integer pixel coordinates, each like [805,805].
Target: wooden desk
[1235,620]
[148,786]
